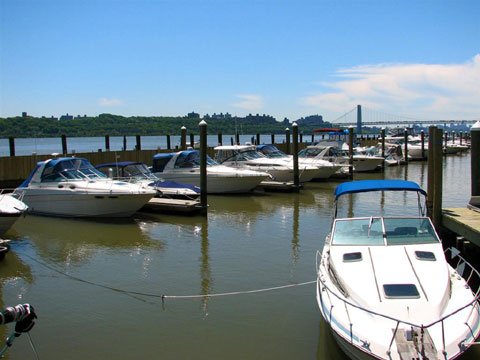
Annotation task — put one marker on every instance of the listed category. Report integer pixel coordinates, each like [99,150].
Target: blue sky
[419,59]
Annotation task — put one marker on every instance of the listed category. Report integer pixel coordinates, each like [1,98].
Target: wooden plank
[464,222]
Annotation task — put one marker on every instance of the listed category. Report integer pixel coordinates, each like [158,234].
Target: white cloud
[249,102]
[430,91]
[109,102]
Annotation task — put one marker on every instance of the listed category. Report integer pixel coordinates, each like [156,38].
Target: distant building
[66,117]
[24,114]
[193,115]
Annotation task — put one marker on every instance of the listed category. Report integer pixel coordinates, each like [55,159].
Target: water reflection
[74,241]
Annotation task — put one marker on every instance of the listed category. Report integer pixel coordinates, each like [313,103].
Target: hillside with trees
[117,125]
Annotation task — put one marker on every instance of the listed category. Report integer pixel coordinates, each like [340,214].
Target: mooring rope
[163,296]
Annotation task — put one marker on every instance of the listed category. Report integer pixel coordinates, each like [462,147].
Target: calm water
[63,267]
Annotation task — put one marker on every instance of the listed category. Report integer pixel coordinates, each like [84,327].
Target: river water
[97,286]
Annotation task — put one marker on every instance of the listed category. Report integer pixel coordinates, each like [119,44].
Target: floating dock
[178,206]
[278,186]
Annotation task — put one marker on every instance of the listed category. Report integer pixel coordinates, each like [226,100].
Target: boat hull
[84,205]
[6,222]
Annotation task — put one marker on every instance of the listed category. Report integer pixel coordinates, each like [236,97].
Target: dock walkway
[464,222]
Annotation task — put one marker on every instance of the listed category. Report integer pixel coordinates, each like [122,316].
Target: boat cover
[377,185]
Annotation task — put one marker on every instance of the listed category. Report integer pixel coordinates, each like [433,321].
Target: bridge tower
[359,119]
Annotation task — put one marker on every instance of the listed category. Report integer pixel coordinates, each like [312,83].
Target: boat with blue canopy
[384,285]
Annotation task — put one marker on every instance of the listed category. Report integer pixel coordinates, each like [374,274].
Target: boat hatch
[355,256]
[401,291]
[425,255]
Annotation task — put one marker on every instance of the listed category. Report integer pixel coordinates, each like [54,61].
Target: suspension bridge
[360,116]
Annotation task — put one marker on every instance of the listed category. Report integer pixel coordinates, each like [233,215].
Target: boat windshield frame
[74,169]
[191,159]
[383,231]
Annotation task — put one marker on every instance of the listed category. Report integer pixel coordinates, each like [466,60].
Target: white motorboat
[385,287]
[327,169]
[184,167]
[11,208]
[72,187]
[247,157]
[337,155]
[137,172]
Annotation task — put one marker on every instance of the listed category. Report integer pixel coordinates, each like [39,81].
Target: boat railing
[461,266]
[18,193]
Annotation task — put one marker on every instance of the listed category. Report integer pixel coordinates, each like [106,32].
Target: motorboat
[247,157]
[326,168]
[72,187]
[11,208]
[414,146]
[337,154]
[384,285]
[184,167]
[138,172]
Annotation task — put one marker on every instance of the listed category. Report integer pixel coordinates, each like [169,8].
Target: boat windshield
[138,171]
[272,152]
[236,155]
[70,169]
[191,159]
[373,231]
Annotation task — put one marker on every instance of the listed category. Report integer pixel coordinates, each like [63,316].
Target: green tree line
[117,125]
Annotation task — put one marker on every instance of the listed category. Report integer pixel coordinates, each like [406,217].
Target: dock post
[438,179]
[220,139]
[296,174]
[422,137]
[64,144]
[107,142]
[203,166]
[138,146]
[475,166]
[192,140]
[258,139]
[273,139]
[237,138]
[461,137]
[169,144]
[124,143]
[446,140]
[183,138]
[405,139]
[430,170]
[11,144]
[382,134]
[350,151]
[287,141]
[313,138]
[301,137]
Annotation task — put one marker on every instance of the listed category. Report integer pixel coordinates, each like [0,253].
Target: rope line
[163,296]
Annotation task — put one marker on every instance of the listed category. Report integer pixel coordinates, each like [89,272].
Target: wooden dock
[178,206]
[464,222]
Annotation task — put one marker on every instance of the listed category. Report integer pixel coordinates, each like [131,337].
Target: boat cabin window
[383,231]
[401,291]
[237,155]
[272,151]
[191,159]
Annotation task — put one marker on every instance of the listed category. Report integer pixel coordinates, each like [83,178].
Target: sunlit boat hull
[10,210]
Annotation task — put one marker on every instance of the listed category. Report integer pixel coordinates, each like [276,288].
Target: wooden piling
[237,138]
[124,143]
[219,139]
[405,151]
[183,138]
[422,137]
[138,145]
[169,144]
[430,168]
[107,142]
[203,167]
[11,144]
[258,139]
[287,140]
[64,144]
[475,166]
[192,140]
[382,134]
[273,139]
[350,151]
[296,174]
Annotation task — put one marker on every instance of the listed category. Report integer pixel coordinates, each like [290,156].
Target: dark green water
[84,278]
